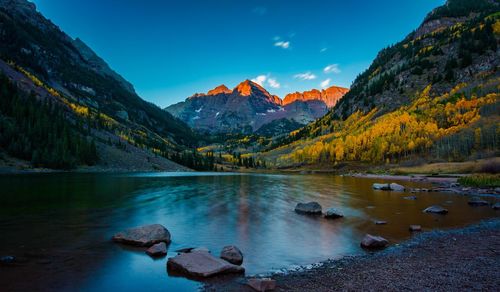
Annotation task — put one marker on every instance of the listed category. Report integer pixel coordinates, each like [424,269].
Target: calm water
[70,218]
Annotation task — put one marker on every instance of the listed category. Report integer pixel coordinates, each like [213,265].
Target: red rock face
[219,90]
[329,96]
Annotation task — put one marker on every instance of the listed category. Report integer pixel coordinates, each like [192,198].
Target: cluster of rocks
[388,187]
[314,208]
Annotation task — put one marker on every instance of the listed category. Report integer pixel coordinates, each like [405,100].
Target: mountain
[249,107]
[434,96]
[38,58]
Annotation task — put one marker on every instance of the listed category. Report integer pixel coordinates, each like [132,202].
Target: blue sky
[171,49]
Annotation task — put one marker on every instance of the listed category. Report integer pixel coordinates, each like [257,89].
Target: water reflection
[78,213]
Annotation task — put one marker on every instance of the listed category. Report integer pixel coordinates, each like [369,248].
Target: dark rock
[413,198]
[7,259]
[185,250]
[476,201]
[262,284]
[157,250]
[436,209]
[415,228]
[374,242]
[333,213]
[232,254]
[144,235]
[201,264]
[311,208]
[496,206]
[380,222]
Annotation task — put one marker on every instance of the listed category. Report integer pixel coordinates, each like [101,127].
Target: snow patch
[217,114]
[196,118]
[281,109]
[199,110]
[271,111]
[261,114]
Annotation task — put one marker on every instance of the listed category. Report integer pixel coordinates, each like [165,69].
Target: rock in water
[157,250]
[232,254]
[396,187]
[415,228]
[333,213]
[311,208]
[384,187]
[496,206]
[412,198]
[144,235]
[374,242]
[262,284]
[476,201]
[380,222]
[436,209]
[201,264]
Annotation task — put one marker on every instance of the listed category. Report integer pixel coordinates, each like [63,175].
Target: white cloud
[260,79]
[333,68]
[325,83]
[323,50]
[282,44]
[263,80]
[273,83]
[305,76]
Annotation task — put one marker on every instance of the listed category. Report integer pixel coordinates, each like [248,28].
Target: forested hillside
[434,96]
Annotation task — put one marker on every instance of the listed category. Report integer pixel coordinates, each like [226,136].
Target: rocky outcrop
[329,96]
[374,242]
[200,264]
[143,236]
[311,208]
[232,254]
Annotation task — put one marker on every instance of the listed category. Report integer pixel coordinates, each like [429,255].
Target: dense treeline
[38,131]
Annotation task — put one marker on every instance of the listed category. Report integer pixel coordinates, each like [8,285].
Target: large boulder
[232,254]
[201,264]
[383,187]
[311,208]
[333,213]
[436,209]
[374,242]
[262,284]
[476,201]
[144,235]
[396,187]
[157,250]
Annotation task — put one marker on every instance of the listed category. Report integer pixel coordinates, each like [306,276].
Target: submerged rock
[157,250]
[262,284]
[144,235]
[412,198]
[232,254]
[201,264]
[374,242]
[415,228]
[436,209]
[333,213]
[476,201]
[311,208]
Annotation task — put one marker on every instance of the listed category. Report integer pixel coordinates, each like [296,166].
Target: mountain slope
[433,95]
[66,72]
[248,107]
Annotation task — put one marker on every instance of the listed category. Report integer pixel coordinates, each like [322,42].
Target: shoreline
[445,260]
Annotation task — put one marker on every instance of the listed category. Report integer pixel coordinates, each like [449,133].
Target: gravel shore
[452,260]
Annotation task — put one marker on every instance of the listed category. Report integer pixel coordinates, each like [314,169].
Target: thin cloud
[334,68]
[282,44]
[323,50]
[260,10]
[305,76]
[264,80]
[325,83]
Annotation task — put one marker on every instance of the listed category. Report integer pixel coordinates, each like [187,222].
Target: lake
[60,225]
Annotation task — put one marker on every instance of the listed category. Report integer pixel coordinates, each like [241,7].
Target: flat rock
[311,208]
[201,264]
[333,213]
[144,235]
[415,228]
[262,284]
[476,201]
[232,254]
[436,209]
[157,250]
[374,242]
